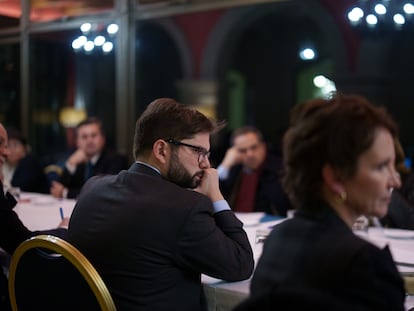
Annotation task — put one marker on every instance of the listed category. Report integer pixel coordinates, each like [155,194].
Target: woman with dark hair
[339,164]
[22,169]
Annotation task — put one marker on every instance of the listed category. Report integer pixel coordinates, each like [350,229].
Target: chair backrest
[48,273]
[409,284]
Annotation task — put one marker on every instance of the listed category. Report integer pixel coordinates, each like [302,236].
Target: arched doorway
[253,53]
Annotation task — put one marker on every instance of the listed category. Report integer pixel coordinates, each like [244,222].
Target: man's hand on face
[231,158]
[209,185]
[78,157]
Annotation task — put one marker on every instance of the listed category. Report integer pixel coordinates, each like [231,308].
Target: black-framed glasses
[202,152]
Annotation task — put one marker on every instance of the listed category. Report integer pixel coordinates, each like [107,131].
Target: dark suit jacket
[270,196]
[29,176]
[316,250]
[151,239]
[108,163]
[12,233]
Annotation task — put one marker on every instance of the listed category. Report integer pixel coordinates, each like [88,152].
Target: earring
[342,196]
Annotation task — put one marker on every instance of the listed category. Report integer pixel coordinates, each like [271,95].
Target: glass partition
[10,84]
[158,64]
[66,85]
[237,62]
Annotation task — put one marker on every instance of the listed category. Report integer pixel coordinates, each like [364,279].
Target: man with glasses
[250,176]
[153,230]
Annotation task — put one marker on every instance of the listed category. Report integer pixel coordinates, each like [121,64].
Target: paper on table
[205,279]
[250,219]
[399,234]
[402,256]
[45,201]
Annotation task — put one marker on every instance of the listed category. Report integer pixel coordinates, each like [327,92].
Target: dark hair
[164,118]
[89,121]
[335,131]
[13,133]
[245,130]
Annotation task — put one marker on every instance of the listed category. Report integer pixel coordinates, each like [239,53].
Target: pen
[61,213]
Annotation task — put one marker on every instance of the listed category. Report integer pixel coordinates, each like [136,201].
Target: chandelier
[95,37]
[382,14]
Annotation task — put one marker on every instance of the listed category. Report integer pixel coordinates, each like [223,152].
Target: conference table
[41,211]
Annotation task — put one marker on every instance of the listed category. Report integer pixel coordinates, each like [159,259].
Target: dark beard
[180,176]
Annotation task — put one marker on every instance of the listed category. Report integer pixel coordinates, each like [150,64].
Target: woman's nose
[396,179]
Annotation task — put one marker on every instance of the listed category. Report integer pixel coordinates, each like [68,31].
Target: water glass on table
[15,191]
[360,224]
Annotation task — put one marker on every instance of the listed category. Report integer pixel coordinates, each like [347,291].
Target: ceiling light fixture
[95,37]
[383,15]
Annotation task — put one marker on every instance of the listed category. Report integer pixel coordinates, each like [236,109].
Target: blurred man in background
[250,175]
[89,159]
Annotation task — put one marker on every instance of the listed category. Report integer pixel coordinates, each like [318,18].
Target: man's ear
[332,179]
[161,151]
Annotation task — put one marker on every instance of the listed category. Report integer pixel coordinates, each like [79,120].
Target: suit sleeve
[12,230]
[73,182]
[215,244]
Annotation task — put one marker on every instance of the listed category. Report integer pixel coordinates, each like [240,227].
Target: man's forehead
[199,136]
[88,128]
[200,139]
[246,139]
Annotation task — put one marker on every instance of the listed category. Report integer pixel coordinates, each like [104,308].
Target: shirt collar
[150,166]
[95,158]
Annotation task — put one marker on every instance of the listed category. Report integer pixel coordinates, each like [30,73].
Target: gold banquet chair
[48,273]
[409,284]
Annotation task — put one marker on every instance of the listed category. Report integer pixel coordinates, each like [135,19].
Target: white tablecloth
[41,211]
[38,211]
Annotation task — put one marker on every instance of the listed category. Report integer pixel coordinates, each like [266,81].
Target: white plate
[399,233]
